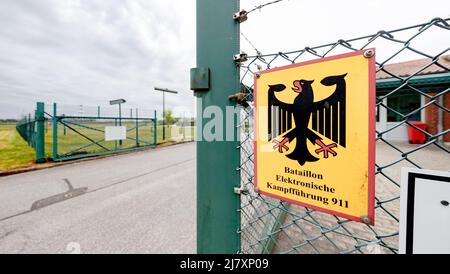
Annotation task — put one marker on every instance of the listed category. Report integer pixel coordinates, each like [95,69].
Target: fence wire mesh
[26,129]
[413,83]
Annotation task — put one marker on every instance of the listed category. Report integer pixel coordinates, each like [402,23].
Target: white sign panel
[424,212]
[115,133]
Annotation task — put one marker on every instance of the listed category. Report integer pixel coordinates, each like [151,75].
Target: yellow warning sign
[315,134]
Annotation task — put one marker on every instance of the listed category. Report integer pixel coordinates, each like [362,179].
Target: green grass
[16,153]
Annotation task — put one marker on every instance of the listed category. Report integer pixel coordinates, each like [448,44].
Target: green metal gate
[232,218]
[69,132]
[79,131]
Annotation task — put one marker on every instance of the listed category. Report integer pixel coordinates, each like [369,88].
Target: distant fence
[26,129]
[68,132]
[31,129]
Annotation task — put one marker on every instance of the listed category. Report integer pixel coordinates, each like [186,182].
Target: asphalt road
[135,203]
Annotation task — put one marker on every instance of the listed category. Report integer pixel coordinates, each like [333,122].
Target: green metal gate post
[137,127]
[218,216]
[40,133]
[155,128]
[30,132]
[55,133]
[115,142]
[120,121]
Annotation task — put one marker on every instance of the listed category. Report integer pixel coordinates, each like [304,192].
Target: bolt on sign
[315,134]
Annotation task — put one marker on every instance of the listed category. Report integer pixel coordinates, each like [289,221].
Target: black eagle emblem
[328,119]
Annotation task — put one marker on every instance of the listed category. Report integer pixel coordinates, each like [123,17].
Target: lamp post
[118,102]
[164,107]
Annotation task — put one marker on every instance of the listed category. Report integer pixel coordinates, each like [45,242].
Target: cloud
[90,51]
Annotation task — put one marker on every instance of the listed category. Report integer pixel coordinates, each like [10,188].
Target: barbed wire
[251,44]
[264,5]
[388,35]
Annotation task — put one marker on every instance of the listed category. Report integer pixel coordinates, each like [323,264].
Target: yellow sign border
[370,217]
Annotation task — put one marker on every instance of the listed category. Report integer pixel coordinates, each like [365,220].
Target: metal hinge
[241,190]
[240,58]
[239,98]
[240,16]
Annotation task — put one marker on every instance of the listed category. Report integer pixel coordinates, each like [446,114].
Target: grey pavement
[142,202]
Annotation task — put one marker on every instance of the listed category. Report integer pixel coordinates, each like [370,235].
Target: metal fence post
[120,121]
[40,133]
[137,127]
[218,217]
[163,117]
[115,142]
[155,128]
[183,127]
[55,133]
[30,131]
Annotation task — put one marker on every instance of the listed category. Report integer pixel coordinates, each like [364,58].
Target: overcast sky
[295,24]
[90,51]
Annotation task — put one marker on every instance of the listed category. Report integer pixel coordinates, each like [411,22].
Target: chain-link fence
[26,128]
[413,83]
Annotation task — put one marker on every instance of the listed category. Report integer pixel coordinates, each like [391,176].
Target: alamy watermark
[216,124]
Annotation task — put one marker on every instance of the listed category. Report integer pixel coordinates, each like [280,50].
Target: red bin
[415,136]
